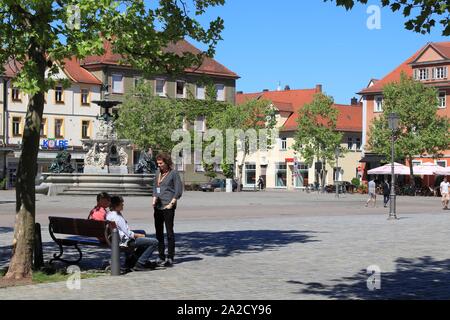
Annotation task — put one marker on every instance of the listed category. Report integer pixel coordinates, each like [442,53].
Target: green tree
[39,35]
[254,114]
[422,14]
[148,120]
[316,136]
[421,131]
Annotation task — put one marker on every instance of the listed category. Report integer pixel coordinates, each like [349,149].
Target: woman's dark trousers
[165,217]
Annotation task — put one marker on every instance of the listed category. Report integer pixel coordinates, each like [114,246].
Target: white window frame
[416,163]
[87,96]
[350,143]
[278,169]
[203,90]
[222,96]
[376,107]
[114,88]
[183,95]
[15,94]
[164,92]
[246,170]
[88,133]
[283,144]
[19,125]
[59,92]
[442,161]
[442,100]
[440,73]
[360,144]
[423,74]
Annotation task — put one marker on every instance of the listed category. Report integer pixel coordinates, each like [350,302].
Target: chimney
[265,90]
[240,92]
[318,88]
[354,101]
[287,88]
[279,86]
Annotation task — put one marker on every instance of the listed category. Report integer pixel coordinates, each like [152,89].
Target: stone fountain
[105,166]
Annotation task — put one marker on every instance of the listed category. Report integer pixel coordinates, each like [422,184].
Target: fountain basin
[91,184]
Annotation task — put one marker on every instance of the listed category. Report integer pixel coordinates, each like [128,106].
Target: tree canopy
[421,130]
[316,136]
[36,36]
[423,15]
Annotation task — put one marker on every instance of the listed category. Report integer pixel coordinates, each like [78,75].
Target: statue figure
[89,159]
[146,163]
[62,163]
[123,157]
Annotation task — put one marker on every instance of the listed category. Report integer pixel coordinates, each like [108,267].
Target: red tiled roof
[280,105]
[78,74]
[443,48]
[393,76]
[71,67]
[209,65]
[349,119]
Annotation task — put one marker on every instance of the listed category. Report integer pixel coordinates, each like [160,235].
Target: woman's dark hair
[115,201]
[166,158]
[103,195]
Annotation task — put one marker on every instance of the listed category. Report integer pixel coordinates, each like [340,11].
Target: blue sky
[308,42]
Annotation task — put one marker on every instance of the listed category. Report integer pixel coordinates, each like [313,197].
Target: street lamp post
[393,119]
[337,153]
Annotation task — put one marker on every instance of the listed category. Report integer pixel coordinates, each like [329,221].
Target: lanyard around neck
[162,176]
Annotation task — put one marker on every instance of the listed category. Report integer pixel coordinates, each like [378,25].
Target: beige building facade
[281,167]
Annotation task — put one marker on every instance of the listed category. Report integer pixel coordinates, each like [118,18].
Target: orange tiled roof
[79,74]
[393,76]
[71,67]
[349,119]
[209,65]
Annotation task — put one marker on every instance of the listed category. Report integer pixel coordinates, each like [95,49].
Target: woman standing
[167,189]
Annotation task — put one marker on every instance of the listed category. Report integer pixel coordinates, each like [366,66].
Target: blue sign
[51,144]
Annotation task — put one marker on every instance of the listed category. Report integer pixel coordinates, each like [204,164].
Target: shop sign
[52,144]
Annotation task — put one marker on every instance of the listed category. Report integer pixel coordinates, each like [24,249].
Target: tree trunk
[22,252]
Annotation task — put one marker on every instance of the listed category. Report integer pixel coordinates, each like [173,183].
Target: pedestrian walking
[445,193]
[167,190]
[386,193]
[372,193]
[261,183]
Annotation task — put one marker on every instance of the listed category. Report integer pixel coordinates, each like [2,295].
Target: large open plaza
[262,245]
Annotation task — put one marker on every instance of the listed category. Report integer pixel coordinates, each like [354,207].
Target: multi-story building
[430,66]
[280,166]
[70,114]
[119,79]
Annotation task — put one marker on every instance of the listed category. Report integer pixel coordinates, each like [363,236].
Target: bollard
[37,248]
[115,253]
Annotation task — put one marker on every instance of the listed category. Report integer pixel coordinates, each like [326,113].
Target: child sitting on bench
[101,209]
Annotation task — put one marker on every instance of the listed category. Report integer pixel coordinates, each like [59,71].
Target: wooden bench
[82,232]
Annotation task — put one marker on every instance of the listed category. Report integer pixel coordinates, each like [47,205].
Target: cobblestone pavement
[279,255]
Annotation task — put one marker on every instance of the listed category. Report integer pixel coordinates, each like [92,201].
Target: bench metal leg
[57,256]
